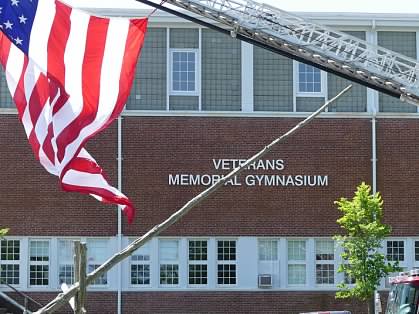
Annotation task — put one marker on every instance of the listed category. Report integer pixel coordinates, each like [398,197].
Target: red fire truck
[403,297]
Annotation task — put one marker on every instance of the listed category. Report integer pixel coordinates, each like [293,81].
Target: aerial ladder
[302,40]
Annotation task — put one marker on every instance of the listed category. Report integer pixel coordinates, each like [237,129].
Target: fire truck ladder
[300,39]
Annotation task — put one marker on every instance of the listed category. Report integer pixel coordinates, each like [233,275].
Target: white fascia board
[349,19]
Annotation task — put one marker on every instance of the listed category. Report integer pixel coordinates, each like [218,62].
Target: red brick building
[203,102]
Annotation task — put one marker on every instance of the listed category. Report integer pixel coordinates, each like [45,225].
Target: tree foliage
[364,263]
[3,232]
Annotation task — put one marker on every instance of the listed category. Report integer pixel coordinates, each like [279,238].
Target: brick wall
[236,302]
[32,202]
[156,147]
[210,302]
[398,173]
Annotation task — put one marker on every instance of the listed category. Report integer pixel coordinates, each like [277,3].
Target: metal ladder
[330,50]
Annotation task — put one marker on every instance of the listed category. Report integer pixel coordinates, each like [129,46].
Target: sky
[365,6]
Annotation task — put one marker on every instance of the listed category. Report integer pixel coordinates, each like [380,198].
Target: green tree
[364,264]
[3,232]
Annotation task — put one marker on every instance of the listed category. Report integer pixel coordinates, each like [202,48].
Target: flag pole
[63,298]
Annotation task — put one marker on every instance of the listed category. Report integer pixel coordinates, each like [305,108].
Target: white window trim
[277,240]
[39,263]
[149,262]
[403,263]
[107,274]
[415,263]
[225,262]
[273,264]
[15,262]
[297,262]
[247,268]
[169,262]
[197,90]
[326,262]
[59,260]
[197,262]
[323,84]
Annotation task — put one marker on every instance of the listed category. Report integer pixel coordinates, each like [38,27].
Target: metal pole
[119,236]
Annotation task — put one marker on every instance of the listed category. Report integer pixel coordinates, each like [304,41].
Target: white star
[22,19]
[15,2]
[1,10]
[8,24]
[18,41]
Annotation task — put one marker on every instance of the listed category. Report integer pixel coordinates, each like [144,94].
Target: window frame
[325,262]
[226,262]
[201,262]
[197,90]
[273,252]
[169,262]
[297,262]
[94,266]
[148,262]
[60,261]
[323,83]
[14,261]
[401,262]
[39,263]
[415,261]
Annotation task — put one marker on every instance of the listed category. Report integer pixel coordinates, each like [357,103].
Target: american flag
[69,74]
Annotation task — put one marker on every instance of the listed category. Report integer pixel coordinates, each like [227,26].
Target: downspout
[374,153]
[373,125]
[377,301]
[119,235]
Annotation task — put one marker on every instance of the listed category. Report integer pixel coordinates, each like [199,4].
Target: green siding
[149,88]
[309,104]
[404,43]
[184,103]
[5,97]
[184,38]
[354,100]
[272,85]
[221,72]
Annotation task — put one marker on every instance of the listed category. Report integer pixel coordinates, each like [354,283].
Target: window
[268,250]
[66,261]
[226,262]
[169,262]
[268,263]
[325,268]
[309,80]
[296,262]
[9,261]
[97,253]
[416,251]
[348,279]
[395,251]
[140,266]
[184,72]
[38,263]
[198,262]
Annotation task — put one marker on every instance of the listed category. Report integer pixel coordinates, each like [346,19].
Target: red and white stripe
[73,84]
